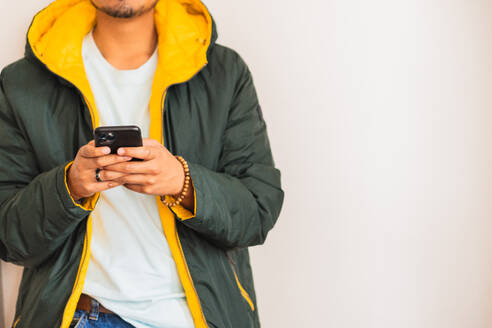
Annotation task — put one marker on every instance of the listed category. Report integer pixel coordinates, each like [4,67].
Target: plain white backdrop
[379,116]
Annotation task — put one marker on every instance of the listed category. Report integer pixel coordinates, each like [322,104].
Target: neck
[126,43]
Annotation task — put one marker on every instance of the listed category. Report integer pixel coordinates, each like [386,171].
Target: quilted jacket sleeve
[238,205]
[37,212]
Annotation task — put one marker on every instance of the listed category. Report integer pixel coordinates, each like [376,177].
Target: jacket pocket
[16,322]
[244,293]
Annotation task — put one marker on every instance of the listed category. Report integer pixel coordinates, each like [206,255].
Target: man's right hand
[81,176]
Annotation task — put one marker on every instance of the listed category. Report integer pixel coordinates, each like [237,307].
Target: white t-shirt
[131,269]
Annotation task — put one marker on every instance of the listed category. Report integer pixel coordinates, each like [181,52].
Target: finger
[137,179]
[90,151]
[105,185]
[106,175]
[134,187]
[147,167]
[150,142]
[145,152]
[106,160]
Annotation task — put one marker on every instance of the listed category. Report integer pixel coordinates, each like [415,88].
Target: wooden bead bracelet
[185,187]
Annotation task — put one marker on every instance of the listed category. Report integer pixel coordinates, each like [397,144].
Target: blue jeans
[95,319]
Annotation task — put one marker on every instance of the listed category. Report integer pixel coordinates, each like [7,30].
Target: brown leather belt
[85,305]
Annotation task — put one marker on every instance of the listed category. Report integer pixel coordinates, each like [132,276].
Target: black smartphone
[118,136]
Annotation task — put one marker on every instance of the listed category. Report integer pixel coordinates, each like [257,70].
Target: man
[106,242]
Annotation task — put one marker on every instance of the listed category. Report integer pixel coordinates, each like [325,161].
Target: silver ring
[98,176]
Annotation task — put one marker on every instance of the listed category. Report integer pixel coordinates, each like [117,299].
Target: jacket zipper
[243,291]
[163,100]
[85,247]
[90,111]
[189,277]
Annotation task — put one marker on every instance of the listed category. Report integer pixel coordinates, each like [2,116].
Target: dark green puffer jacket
[203,107]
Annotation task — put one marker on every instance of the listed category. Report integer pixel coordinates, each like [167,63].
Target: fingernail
[106,150]
[121,151]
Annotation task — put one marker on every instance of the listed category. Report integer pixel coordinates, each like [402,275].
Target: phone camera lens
[110,136]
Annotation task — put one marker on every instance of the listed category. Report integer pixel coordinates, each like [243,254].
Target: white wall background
[379,116]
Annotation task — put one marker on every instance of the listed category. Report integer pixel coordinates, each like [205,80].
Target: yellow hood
[184,30]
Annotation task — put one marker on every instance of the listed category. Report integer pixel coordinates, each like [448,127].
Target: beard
[124,10]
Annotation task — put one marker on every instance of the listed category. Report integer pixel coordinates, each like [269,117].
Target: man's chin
[124,10]
[119,13]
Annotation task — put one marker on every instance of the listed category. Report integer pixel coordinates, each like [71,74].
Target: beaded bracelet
[185,187]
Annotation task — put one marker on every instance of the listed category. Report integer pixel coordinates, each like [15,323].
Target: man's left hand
[160,173]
